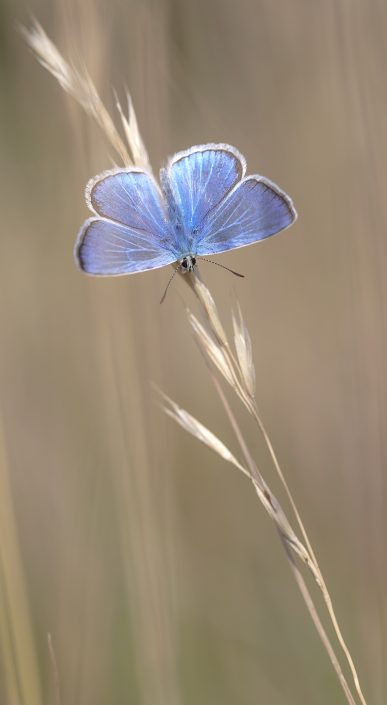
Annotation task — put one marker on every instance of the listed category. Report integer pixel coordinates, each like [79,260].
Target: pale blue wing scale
[107,248]
[198,179]
[130,197]
[254,210]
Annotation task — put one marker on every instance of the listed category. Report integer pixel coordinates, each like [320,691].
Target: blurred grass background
[151,563]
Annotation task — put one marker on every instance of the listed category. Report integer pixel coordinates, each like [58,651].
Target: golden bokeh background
[148,560]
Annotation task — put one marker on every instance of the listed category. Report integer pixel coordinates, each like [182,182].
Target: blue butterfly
[206,205]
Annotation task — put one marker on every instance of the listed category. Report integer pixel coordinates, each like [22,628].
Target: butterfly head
[187,264]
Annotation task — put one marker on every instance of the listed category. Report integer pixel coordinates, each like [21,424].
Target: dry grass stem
[201,432]
[132,134]
[271,504]
[81,87]
[238,370]
[319,627]
[244,351]
[288,537]
[209,306]
[55,670]
[210,347]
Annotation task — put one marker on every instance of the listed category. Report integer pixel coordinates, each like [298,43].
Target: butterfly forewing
[130,197]
[255,209]
[200,178]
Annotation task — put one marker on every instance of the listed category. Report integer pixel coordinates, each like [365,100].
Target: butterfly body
[205,205]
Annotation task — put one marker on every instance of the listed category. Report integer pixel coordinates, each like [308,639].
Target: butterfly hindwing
[108,248]
[254,210]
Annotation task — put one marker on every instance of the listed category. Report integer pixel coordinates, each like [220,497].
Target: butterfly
[204,205]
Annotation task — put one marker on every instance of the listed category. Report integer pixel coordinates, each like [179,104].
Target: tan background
[151,562]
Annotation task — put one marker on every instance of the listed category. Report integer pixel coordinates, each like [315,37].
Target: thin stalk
[236,380]
[296,572]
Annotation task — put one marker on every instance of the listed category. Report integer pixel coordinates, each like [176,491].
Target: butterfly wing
[131,232]
[199,179]
[108,248]
[254,210]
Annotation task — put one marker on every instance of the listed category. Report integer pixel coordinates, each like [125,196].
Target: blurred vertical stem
[21,673]
[145,564]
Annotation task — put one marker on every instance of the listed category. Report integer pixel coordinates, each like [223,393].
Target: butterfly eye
[193,261]
[184,264]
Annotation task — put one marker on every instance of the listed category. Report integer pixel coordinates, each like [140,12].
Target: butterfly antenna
[169,284]
[223,267]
